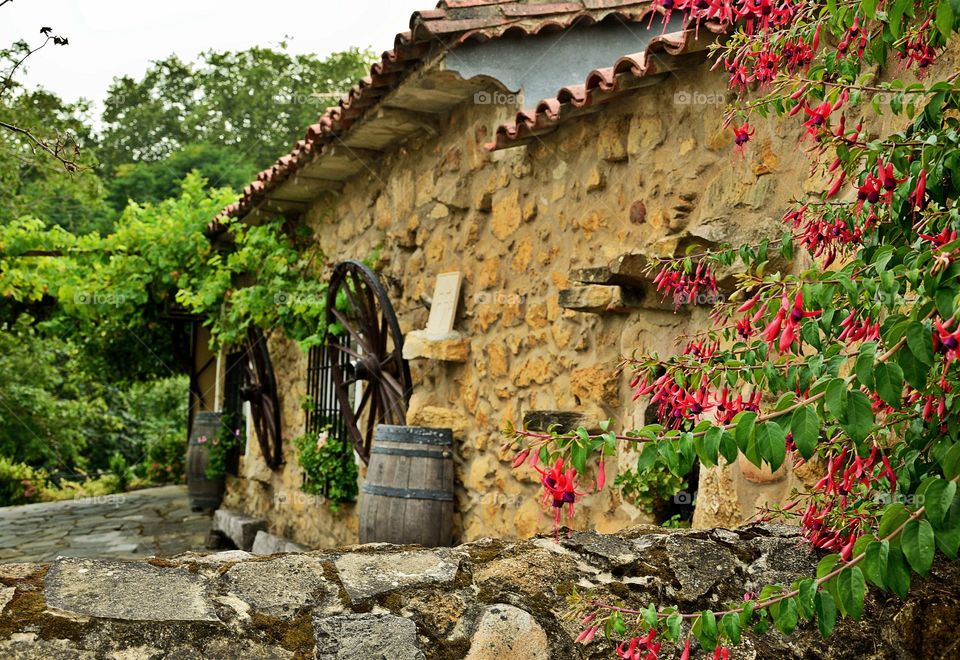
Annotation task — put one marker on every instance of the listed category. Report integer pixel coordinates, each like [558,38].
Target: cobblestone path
[153,521]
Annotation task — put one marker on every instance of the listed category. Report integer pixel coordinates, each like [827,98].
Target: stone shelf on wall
[600,299]
[562,421]
[451,347]
[628,270]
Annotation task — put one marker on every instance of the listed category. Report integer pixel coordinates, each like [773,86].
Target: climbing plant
[851,358]
[161,256]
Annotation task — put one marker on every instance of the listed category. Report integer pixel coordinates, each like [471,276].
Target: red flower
[742,135]
[560,488]
[639,648]
[785,324]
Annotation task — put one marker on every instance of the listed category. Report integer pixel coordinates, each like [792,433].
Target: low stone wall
[483,600]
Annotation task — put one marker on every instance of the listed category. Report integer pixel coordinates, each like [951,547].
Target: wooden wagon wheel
[365,346]
[259,388]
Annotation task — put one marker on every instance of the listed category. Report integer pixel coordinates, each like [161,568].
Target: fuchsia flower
[639,648]
[742,135]
[785,324]
[721,653]
[946,341]
[560,487]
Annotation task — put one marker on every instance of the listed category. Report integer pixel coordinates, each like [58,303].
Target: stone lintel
[452,347]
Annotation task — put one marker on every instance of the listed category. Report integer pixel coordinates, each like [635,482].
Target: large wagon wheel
[259,388]
[365,346]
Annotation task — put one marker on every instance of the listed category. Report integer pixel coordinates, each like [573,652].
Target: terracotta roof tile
[451,23]
[599,87]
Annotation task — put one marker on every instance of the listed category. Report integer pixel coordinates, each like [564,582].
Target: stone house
[544,151]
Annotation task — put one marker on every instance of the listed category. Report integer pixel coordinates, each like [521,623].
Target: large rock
[484,600]
[505,631]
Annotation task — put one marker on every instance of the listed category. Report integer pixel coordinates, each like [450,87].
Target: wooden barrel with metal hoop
[203,493]
[408,491]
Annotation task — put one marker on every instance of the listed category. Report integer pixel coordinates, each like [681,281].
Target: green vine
[219,448]
[328,467]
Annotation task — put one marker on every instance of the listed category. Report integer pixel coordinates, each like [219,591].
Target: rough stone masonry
[483,600]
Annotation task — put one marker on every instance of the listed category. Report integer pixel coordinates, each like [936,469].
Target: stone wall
[481,601]
[650,173]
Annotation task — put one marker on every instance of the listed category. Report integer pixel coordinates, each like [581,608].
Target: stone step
[239,528]
[266,543]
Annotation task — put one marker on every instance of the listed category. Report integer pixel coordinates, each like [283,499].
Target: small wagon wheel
[259,388]
[365,346]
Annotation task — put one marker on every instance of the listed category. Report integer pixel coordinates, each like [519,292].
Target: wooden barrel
[408,491]
[202,492]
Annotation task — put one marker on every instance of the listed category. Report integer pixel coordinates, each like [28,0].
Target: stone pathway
[153,521]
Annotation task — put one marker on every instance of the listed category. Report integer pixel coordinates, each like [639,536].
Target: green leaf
[945,18]
[673,626]
[745,429]
[852,588]
[731,625]
[918,545]
[859,416]
[914,371]
[920,342]
[863,367]
[805,426]
[787,617]
[650,615]
[893,516]
[826,613]
[875,562]
[771,441]
[708,446]
[747,613]
[898,574]
[836,398]
[948,533]
[937,499]
[728,447]
[889,383]
[806,598]
[951,462]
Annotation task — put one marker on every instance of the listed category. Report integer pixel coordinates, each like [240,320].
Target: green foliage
[121,470]
[151,182]
[165,460]
[651,489]
[254,103]
[328,466]
[224,444]
[19,483]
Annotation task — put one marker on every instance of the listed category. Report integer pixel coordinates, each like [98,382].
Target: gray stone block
[266,543]
[365,575]
[366,636]
[127,591]
[240,529]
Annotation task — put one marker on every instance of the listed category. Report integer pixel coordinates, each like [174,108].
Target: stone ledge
[486,600]
[266,543]
[239,528]
[453,347]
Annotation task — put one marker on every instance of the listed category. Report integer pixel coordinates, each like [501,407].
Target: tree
[255,103]
[854,361]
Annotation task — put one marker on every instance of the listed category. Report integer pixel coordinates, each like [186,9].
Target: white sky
[111,38]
